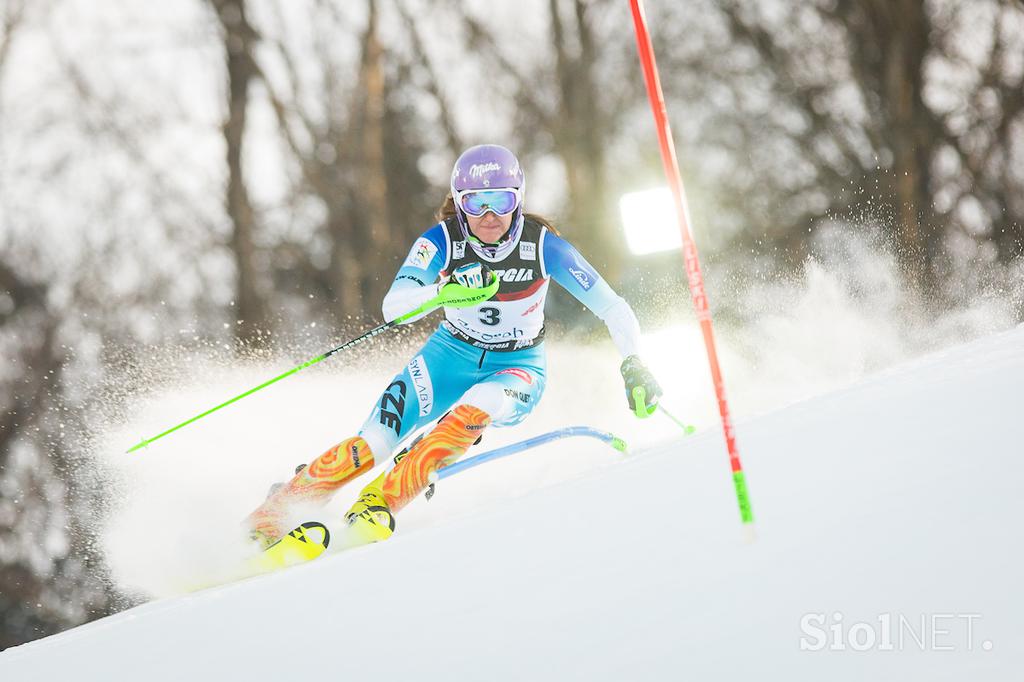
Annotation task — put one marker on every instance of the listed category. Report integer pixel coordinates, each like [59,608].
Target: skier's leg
[313,484]
[371,517]
[502,399]
[408,403]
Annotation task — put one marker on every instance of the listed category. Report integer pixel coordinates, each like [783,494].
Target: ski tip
[618,444]
[748,534]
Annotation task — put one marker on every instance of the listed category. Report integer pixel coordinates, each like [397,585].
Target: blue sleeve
[572,271]
[425,260]
[415,281]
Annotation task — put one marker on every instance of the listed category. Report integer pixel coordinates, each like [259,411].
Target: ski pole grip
[640,403]
[455,295]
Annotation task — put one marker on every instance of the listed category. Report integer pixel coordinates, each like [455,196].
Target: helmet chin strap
[464,224]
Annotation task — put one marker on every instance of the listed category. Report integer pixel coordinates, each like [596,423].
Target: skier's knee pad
[489,397]
[507,396]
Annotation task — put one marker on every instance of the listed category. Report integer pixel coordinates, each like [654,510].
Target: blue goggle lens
[500,201]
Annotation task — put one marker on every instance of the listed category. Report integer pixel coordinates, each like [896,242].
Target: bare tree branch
[804,97]
[481,41]
[239,43]
[14,14]
[107,121]
[433,87]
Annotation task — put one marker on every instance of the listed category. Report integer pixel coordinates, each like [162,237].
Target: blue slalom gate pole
[568,432]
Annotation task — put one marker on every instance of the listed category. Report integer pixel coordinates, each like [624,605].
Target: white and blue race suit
[490,356]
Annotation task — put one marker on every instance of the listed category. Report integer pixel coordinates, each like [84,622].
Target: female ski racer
[484,366]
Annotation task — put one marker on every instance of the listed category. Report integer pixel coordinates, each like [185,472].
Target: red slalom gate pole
[692,262]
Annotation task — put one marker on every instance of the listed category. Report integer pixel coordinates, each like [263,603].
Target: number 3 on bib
[491,316]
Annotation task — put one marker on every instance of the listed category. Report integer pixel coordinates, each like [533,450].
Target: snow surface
[896,497]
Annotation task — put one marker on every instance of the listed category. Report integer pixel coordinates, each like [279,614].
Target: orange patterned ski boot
[312,484]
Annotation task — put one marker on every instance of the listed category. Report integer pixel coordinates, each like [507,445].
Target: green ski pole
[687,428]
[642,411]
[454,295]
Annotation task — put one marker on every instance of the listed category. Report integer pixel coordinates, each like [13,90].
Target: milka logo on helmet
[478,170]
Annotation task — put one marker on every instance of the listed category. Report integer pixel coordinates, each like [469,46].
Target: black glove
[639,380]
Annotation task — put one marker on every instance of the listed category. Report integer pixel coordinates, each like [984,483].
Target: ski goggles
[476,202]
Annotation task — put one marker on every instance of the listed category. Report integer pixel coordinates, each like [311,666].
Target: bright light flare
[650,222]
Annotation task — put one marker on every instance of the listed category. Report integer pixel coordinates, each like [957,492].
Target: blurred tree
[43,589]
[353,139]
[368,129]
[420,59]
[908,112]
[13,13]
[563,106]
[251,326]
[81,200]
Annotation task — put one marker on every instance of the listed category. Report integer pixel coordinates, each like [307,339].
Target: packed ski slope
[896,500]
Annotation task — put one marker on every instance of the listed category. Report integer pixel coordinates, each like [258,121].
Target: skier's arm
[417,280]
[572,271]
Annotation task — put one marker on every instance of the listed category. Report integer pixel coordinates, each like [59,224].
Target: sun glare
[649,220]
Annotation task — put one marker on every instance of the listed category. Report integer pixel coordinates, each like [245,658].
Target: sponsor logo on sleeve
[527,250]
[422,253]
[583,274]
[422,384]
[581,277]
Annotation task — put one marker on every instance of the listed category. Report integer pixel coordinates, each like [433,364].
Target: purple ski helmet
[488,177]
